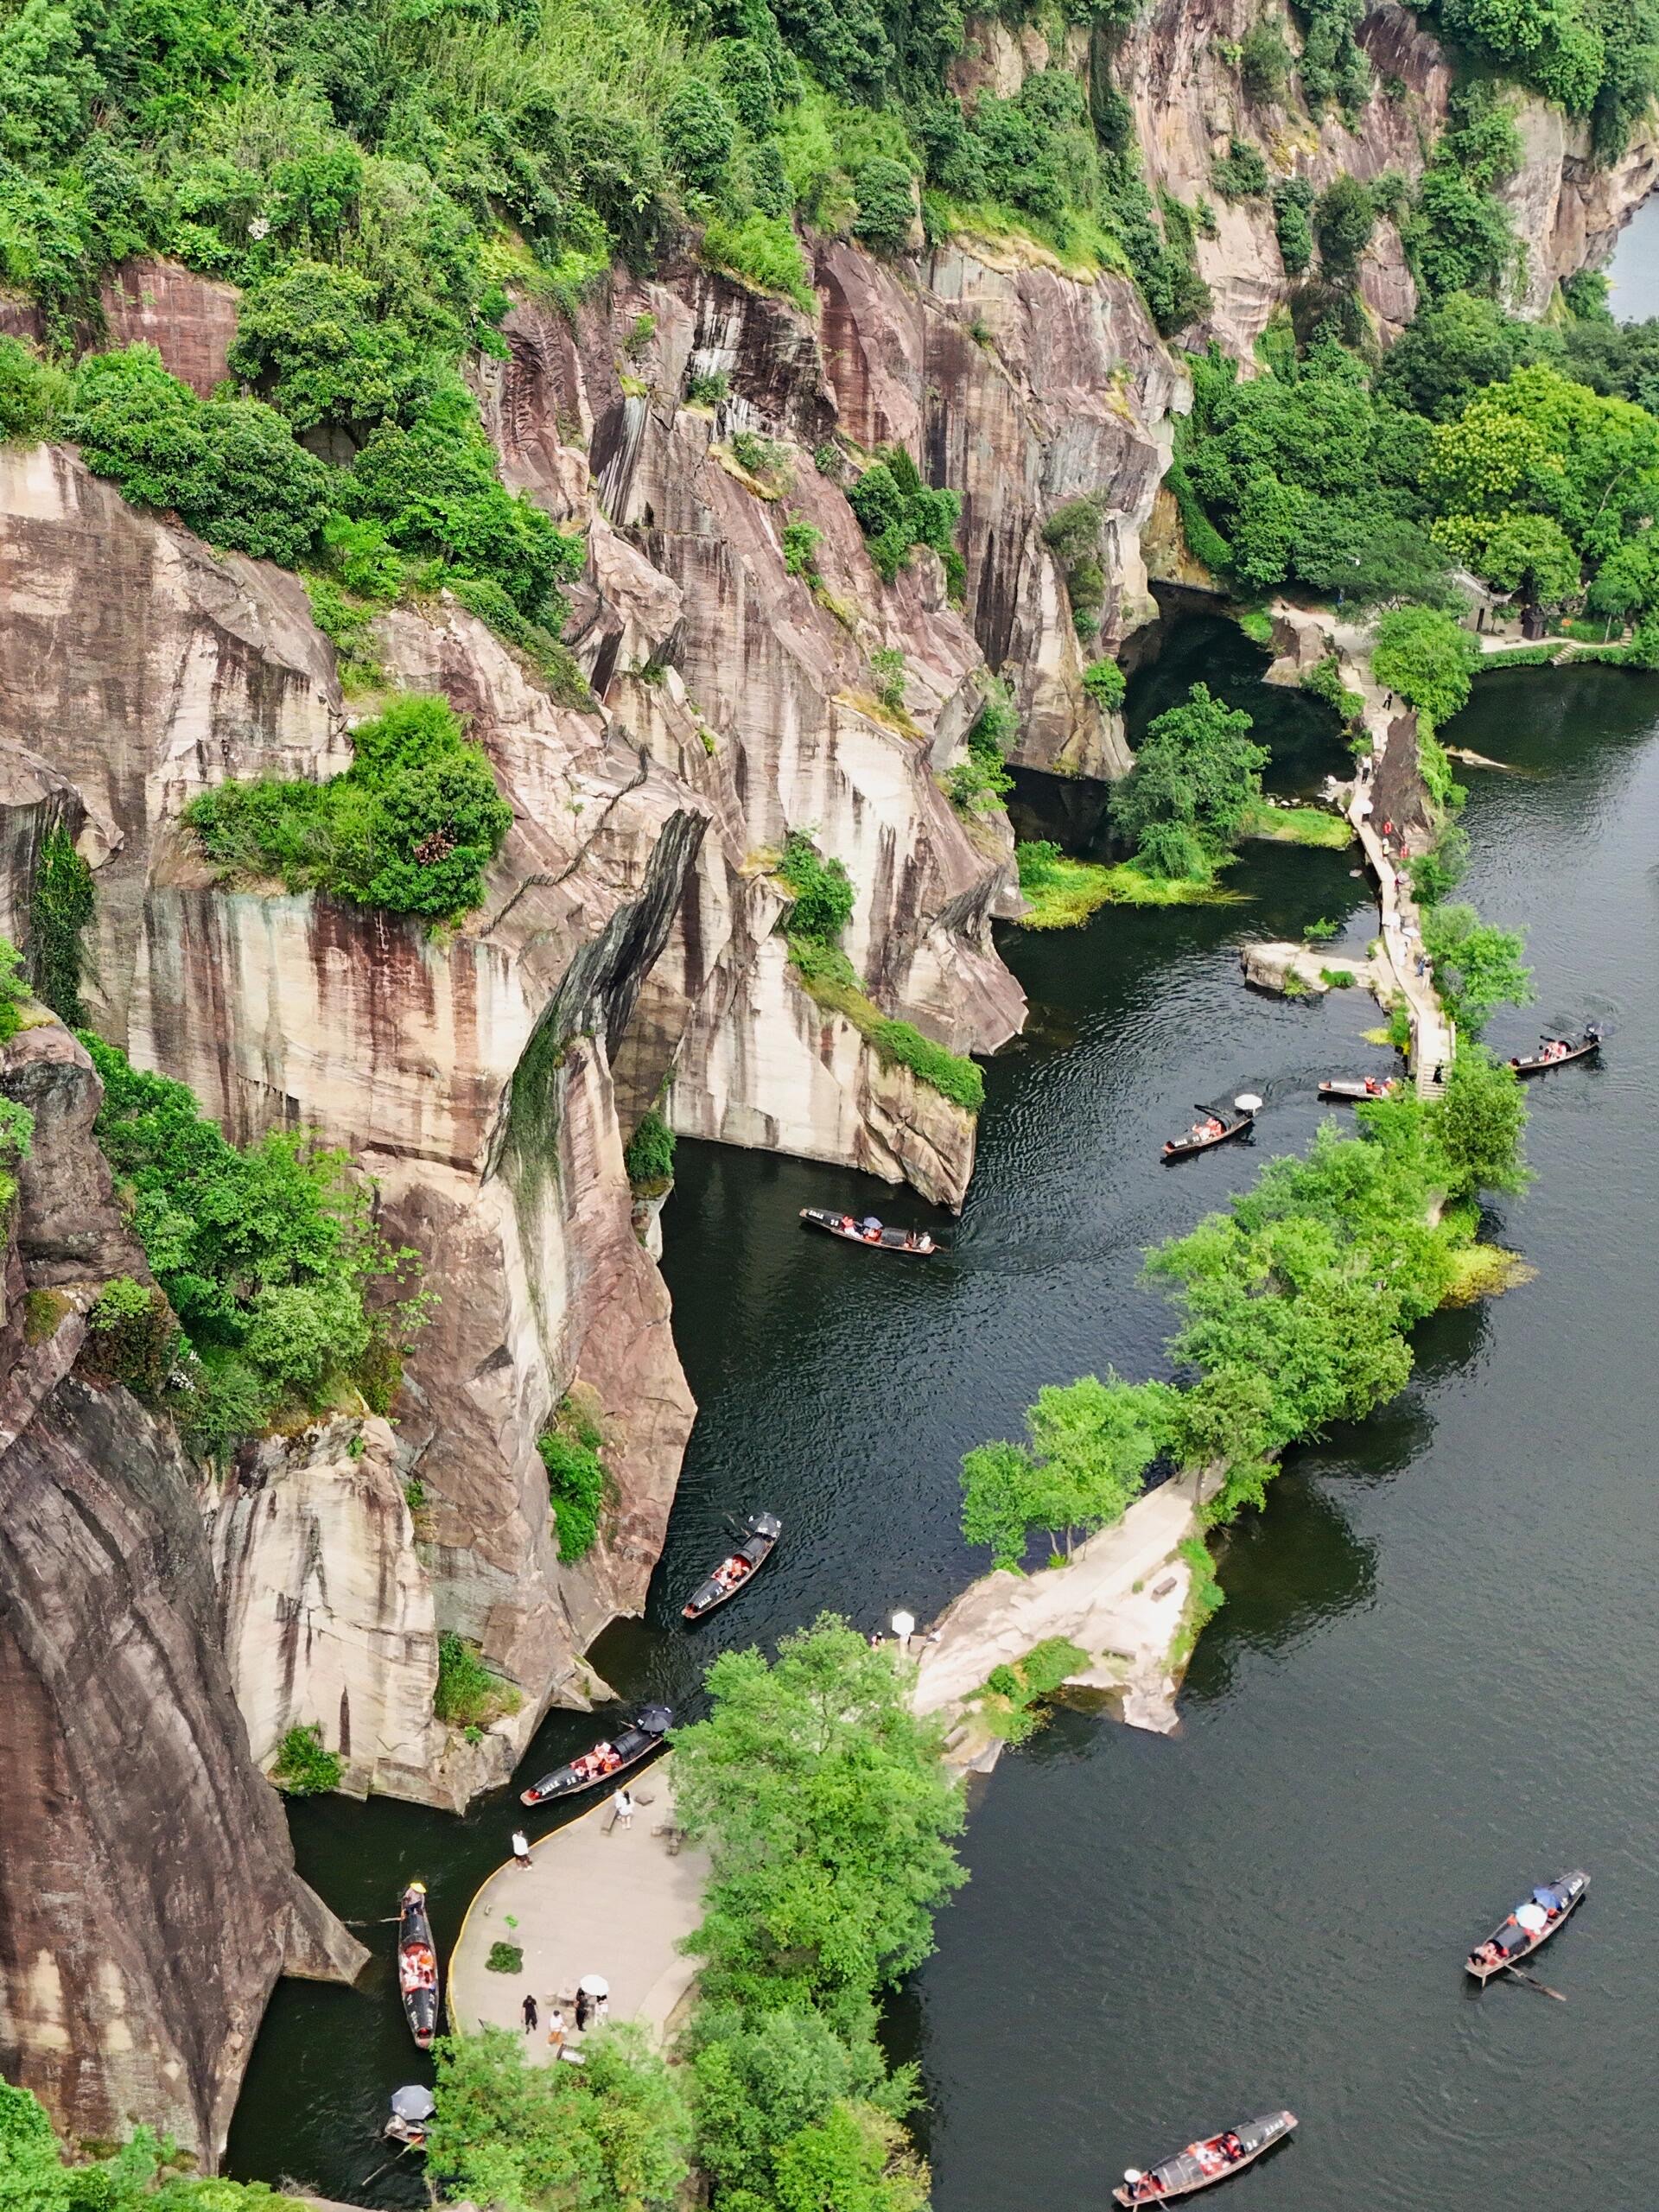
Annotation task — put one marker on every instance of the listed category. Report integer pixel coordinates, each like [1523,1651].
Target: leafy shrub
[264,1253]
[468,1695]
[132,1333]
[504,1958]
[229,467]
[801,544]
[310,339]
[409,828]
[60,908]
[764,458]
[31,395]
[576,1484]
[698,137]
[886,204]
[303,1767]
[824,892]
[708,390]
[1333,67]
[981,781]
[887,671]
[765,250]
[1106,684]
[1264,61]
[650,1155]
[1344,216]
[1291,203]
[1241,173]
[896,511]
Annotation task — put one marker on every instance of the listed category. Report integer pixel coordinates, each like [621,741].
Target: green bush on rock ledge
[409,827]
[468,1696]
[304,1767]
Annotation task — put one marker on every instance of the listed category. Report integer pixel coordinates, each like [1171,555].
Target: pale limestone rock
[326,1611]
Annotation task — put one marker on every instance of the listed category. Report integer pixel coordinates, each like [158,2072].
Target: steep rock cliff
[148,1897]
[470,1076]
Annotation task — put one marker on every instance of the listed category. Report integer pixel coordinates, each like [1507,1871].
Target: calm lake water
[1433,1682]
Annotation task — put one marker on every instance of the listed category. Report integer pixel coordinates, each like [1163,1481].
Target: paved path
[598,1899]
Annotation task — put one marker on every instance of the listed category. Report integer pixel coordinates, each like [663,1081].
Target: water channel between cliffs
[1435,1674]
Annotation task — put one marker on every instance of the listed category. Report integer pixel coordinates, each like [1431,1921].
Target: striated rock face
[148,1897]
[326,1610]
[471,1076]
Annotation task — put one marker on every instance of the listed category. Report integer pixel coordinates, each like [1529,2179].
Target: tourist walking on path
[556,2030]
[532,2018]
[624,1804]
[521,1847]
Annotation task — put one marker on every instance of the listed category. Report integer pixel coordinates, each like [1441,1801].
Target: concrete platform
[599,1898]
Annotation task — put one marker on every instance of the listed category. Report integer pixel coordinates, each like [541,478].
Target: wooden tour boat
[1529,1927]
[738,1568]
[1353,1090]
[1560,1053]
[608,1761]
[870,1232]
[1203,1137]
[1202,2164]
[417,1966]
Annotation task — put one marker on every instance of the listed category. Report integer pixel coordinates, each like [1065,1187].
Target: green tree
[1478,968]
[850,2161]
[1343,219]
[820,1799]
[610,2136]
[698,137]
[1531,554]
[1196,771]
[312,341]
[1480,1122]
[1427,657]
[1091,1442]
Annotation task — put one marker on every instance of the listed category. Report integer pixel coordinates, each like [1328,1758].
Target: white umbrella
[1532,1917]
[1247,1102]
[416,2102]
[594,1984]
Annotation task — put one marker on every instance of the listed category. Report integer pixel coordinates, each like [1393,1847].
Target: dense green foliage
[304,1766]
[1296,1303]
[1195,772]
[468,1696]
[59,909]
[612,2135]
[649,1157]
[822,1801]
[1106,684]
[1478,968]
[1090,1444]
[896,511]
[981,781]
[145,2175]
[410,826]
[823,903]
[576,1483]
[1427,657]
[1011,1703]
[266,1253]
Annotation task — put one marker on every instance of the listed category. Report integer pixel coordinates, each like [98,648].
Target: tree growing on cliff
[1195,772]
[820,1799]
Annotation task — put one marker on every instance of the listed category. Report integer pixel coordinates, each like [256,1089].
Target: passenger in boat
[1231,2149]
[848,1225]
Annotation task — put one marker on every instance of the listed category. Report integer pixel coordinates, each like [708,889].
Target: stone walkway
[599,1898]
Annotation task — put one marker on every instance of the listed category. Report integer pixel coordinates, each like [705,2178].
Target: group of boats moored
[1217,2157]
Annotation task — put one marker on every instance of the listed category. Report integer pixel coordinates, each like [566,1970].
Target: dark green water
[1434,1678]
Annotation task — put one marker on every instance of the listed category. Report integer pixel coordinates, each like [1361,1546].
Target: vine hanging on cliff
[60,908]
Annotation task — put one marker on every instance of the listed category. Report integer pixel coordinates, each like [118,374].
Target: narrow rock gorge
[166,1624]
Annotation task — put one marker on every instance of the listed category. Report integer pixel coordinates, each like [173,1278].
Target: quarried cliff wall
[148,1897]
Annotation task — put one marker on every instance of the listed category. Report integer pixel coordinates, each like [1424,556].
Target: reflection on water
[1433,1677]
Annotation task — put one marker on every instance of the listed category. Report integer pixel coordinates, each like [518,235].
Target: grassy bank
[1065,893]
[1298,825]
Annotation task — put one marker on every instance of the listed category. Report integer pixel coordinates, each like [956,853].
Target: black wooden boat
[417,1966]
[1242,1118]
[870,1232]
[737,1568]
[1540,1063]
[1202,2164]
[607,1761]
[1530,1927]
[1353,1090]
